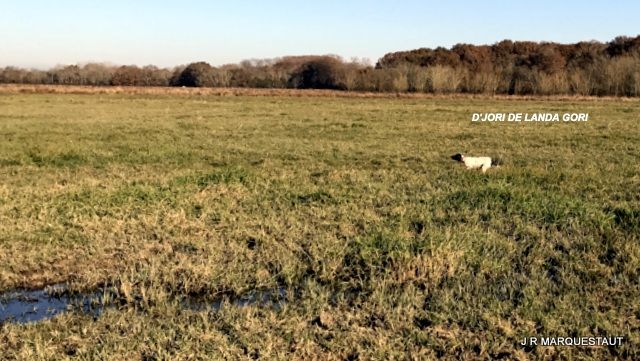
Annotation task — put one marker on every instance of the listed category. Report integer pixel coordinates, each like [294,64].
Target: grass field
[384,247]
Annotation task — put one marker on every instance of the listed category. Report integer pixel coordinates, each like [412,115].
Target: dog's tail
[495,162]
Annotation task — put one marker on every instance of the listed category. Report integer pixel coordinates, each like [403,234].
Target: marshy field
[232,226]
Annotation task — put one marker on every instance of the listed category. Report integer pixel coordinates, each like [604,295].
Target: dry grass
[387,248]
[184,91]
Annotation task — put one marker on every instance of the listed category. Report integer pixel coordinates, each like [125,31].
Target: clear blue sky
[167,33]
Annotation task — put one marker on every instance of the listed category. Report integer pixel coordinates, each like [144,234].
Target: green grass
[387,248]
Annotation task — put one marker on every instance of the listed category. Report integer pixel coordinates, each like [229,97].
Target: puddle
[23,306]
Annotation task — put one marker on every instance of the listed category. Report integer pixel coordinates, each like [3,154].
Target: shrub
[319,73]
[443,79]
[199,74]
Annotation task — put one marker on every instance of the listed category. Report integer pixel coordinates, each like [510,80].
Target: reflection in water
[22,306]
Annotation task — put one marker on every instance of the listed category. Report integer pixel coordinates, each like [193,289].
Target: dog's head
[457,157]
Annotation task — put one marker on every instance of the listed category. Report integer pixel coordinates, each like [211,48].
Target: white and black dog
[483,163]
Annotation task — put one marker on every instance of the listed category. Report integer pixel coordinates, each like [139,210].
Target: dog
[484,163]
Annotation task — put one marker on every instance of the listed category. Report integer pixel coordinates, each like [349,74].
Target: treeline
[507,67]
[324,72]
[524,67]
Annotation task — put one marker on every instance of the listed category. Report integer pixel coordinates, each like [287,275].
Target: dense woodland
[507,67]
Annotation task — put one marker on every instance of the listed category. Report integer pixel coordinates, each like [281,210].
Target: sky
[43,34]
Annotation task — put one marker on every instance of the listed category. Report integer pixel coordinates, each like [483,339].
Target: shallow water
[23,306]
